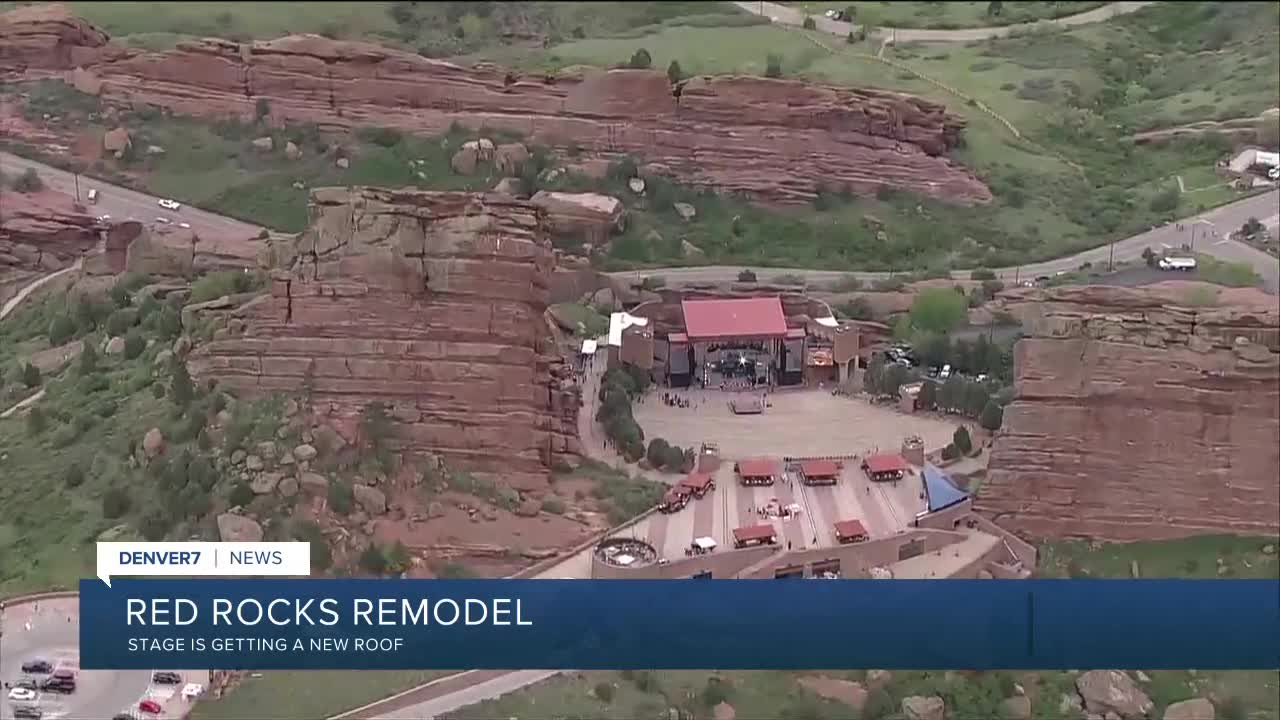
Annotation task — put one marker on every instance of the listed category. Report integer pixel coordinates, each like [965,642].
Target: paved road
[487,690]
[1219,221]
[122,203]
[795,16]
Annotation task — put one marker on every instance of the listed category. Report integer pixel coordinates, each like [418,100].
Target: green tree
[746,276]
[30,375]
[674,73]
[73,476]
[373,561]
[604,692]
[399,559]
[871,376]
[657,452]
[134,344]
[992,416]
[36,421]
[88,362]
[61,330]
[640,60]
[773,66]
[960,438]
[938,310]
[809,23]
[1167,200]
[928,397]
[994,8]
[261,109]
[181,389]
[857,309]
[115,503]
[28,182]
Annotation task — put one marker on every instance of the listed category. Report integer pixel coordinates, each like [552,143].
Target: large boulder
[464,161]
[238,528]
[508,159]
[153,443]
[373,500]
[314,483]
[265,483]
[1113,691]
[588,216]
[1017,707]
[264,144]
[917,707]
[1193,709]
[116,142]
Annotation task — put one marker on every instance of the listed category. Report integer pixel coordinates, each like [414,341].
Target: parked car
[168,204]
[149,706]
[58,685]
[41,667]
[163,220]
[184,225]
[123,716]
[166,677]
[27,712]
[22,694]
[27,683]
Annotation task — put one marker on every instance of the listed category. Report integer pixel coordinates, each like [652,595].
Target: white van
[93,196]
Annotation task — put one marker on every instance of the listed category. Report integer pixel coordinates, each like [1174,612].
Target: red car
[149,706]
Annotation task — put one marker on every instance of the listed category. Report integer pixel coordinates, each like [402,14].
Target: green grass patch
[1196,557]
[1221,272]
[310,694]
[623,496]
[588,321]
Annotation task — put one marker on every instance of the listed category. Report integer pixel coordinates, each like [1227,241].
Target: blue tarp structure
[939,490]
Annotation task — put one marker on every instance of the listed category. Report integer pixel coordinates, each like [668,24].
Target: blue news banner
[670,624]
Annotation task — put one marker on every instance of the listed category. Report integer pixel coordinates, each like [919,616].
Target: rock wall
[1137,419]
[429,302]
[43,232]
[773,139]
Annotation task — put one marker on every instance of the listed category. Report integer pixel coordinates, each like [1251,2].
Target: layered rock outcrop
[1134,418]
[43,232]
[431,303]
[774,139]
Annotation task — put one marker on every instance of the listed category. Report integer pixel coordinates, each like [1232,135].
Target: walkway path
[13,302]
[787,15]
[22,404]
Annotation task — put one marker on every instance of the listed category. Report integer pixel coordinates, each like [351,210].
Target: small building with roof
[698,483]
[940,490]
[758,471]
[819,472]
[763,534]
[850,531]
[885,467]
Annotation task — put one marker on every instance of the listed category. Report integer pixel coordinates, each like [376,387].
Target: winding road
[788,15]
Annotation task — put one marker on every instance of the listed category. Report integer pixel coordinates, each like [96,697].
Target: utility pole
[1017,269]
[1111,259]
[76,175]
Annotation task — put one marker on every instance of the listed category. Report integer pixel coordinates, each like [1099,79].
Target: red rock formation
[429,302]
[778,140]
[1136,419]
[43,231]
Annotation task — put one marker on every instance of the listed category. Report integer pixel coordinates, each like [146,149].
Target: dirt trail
[34,285]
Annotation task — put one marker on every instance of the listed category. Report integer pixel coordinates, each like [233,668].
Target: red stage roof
[755,532]
[739,317]
[759,467]
[696,481]
[850,528]
[678,338]
[885,463]
[819,468]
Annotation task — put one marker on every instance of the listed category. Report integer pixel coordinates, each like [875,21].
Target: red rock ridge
[773,139]
[429,302]
[1136,419]
[43,231]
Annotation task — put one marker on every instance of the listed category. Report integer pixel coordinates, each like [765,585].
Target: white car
[103,218]
[184,226]
[170,205]
[22,694]
[192,691]
[163,220]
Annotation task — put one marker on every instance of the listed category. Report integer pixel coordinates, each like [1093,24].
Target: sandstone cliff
[1134,418]
[777,140]
[429,302]
[43,232]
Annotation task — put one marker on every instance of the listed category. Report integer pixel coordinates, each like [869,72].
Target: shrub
[938,310]
[604,692]
[30,375]
[674,72]
[115,503]
[809,23]
[134,344]
[36,421]
[61,330]
[714,692]
[982,274]
[746,276]
[120,295]
[992,416]
[341,498]
[28,182]
[856,309]
[950,452]
[373,561]
[657,451]
[960,438]
[119,322]
[88,363]
[773,66]
[241,495]
[261,109]
[640,60]
[181,389]
[555,506]
[1166,200]
[73,476]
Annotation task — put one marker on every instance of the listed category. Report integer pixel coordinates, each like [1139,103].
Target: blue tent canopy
[939,490]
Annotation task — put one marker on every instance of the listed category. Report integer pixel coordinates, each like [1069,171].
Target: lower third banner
[634,624]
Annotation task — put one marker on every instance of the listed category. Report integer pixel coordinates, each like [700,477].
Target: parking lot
[49,630]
